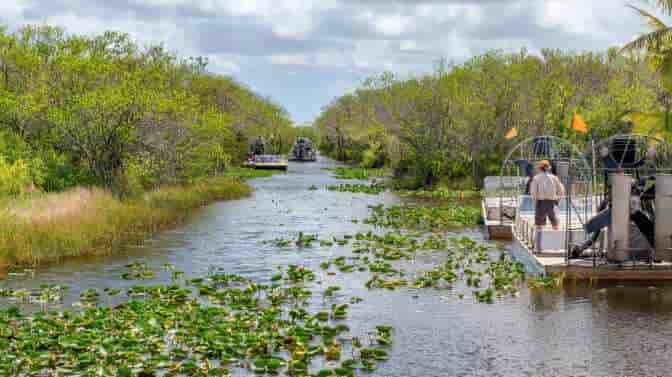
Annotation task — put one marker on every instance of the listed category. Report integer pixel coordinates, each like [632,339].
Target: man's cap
[544,164]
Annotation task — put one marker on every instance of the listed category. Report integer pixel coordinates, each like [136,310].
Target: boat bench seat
[555,239]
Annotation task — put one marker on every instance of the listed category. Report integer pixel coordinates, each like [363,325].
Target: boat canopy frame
[570,165]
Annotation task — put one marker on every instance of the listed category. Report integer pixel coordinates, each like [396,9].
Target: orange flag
[513,132]
[578,124]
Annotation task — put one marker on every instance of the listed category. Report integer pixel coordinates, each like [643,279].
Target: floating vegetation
[380,282]
[305,240]
[45,294]
[357,173]
[302,240]
[207,326]
[485,296]
[426,218]
[89,297]
[330,291]
[343,241]
[441,194]
[138,271]
[482,268]
[550,281]
[289,324]
[281,242]
[371,189]
[312,188]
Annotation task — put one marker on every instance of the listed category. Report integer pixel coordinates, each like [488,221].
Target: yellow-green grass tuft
[91,221]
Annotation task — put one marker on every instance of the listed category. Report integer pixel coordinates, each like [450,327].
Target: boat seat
[553,240]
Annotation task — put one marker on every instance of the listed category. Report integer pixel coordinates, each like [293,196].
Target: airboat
[303,150]
[266,161]
[498,205]
[616,217]
[259,160]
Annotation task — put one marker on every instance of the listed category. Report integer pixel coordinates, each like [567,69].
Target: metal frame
[647,164]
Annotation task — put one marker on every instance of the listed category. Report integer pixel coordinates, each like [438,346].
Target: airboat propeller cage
[568,163]
[565,158]
[663,227]
[562,169]
[625,165]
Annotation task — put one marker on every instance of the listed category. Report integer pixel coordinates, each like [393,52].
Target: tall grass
[88,221]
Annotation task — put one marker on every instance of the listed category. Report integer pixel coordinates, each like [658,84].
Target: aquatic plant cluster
[219,324]
[427,218]
[357,173]
[374,188]
[440,194]
[483,268]
[207,326]
[466,263]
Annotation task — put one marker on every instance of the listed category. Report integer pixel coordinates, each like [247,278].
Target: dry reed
[90,221]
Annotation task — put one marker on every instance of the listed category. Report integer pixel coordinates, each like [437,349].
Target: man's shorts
[545,209]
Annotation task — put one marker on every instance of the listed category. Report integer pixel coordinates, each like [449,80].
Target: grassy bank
[89,221]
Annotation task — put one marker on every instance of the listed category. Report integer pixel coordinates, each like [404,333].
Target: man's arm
[533,188]
[559,188]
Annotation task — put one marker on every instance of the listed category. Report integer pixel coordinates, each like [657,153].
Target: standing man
[546,190]
[258,147]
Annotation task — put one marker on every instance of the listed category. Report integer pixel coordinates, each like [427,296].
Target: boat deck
[553,262]
[551,259]
[268,162]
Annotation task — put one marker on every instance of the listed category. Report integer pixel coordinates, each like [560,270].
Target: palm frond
[656,40]
[654,22]
[666,65]
[664,5]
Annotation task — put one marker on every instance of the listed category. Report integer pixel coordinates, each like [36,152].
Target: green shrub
[14,177]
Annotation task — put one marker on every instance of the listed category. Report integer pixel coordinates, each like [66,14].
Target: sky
[304,53]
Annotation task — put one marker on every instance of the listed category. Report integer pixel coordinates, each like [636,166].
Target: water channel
[615,330]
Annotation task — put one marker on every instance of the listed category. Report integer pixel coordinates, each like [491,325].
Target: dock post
[663,227]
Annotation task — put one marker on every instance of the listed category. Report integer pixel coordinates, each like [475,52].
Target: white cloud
[391,25]
[290,59]
[223,64]
[261,40]
[568,15]
[315,60]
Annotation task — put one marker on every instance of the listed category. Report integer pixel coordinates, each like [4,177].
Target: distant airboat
[259,160]
[303,150]
[267,162]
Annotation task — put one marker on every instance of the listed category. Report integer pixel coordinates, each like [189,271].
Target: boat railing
[571,214]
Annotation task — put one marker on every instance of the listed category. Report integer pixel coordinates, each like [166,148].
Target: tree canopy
[452,122]
[102,110]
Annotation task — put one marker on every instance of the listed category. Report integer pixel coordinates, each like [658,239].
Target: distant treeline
[452,123]
[103,111]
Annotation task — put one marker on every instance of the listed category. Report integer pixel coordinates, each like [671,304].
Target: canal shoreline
[50,228]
